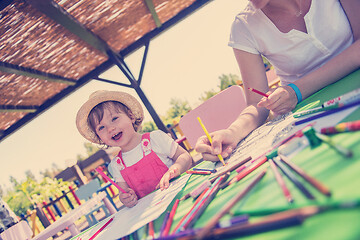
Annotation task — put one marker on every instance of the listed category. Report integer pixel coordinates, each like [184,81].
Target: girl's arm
[129,199]
[182,162]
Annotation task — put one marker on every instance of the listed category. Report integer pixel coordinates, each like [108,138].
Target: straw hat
[104,96]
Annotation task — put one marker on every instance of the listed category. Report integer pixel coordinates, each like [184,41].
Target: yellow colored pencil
[210,140]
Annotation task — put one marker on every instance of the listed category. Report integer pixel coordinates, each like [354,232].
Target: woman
[310,43]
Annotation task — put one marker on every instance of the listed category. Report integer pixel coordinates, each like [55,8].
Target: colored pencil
[269,223]
[171,218]
[205,169]
[200,206]
[342,127]
[151,229]
[340,149]
[101,229]
[238,220]
[326,113]
[318,185]
[198,172]
[215,219]
[247,171]
[315,110]
[258,92]
[210,140]
[205,203]
[176,229]
[329,205]
[110,180]
[229,168]
[135,235]
[281,182]
[293,178]
[163,226]
[199,189]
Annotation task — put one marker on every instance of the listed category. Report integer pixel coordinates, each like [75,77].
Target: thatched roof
[49,48]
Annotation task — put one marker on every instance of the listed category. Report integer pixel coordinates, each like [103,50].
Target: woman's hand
[223,142]
[129,199]
[281,100]
[165,180]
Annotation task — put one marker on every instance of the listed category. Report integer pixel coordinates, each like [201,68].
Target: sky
[182,63]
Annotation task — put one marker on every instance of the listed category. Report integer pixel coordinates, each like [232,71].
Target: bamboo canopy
[50,48]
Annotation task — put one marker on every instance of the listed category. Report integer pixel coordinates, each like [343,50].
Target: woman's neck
[289,7]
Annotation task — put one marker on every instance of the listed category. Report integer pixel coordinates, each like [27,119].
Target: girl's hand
[129,199]
[165,180]
[223,142]
[280,101]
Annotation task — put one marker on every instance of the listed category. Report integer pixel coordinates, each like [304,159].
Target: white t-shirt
[161,143]
[295,53]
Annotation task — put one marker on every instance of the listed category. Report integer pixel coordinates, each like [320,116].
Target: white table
[68,220]
[19,231]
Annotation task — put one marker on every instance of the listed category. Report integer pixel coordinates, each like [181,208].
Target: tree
[177,108]
[30,175]
[148,127]
[225,82]
[90,150]
[229,80]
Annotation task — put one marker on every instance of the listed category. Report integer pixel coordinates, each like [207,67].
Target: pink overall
[145,175]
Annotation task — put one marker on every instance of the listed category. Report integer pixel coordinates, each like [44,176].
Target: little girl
[145,162]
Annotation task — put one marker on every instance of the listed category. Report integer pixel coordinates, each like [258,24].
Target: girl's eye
[114,119]
[100,128]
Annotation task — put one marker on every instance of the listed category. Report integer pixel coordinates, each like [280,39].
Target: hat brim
[104,96]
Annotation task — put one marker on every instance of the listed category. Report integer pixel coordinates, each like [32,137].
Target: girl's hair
[97,113]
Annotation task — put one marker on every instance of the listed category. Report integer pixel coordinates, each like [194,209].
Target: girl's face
[116,129]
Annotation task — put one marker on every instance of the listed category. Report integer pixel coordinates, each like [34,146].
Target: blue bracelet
[297,91]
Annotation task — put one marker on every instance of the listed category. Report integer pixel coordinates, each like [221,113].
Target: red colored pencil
[102,228]
[247,171]
[109,179]
[151,230]
[198,172]
[171,218]
[258,92]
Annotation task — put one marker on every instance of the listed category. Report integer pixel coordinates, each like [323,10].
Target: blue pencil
[326,113]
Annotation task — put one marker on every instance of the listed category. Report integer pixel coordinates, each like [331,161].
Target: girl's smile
[116,130]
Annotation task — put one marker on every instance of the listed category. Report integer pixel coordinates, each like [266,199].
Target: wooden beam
[13,108]
[151,7]
[55,12]
[28,72]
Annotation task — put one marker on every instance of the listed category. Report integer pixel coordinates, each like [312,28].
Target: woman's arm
[224,141]
[352,8]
